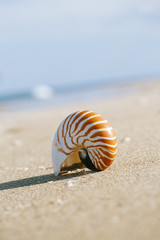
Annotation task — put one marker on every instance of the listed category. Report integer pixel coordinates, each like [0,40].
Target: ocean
[44,96]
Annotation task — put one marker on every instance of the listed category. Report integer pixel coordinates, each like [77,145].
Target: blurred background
[60,50]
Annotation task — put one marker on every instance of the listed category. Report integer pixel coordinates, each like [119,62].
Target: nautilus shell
[84,138]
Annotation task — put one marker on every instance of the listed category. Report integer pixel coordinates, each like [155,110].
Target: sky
[60,42]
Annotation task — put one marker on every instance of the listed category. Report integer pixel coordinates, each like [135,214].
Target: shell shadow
[25,182]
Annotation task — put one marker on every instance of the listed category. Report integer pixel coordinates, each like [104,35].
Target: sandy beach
[122,202]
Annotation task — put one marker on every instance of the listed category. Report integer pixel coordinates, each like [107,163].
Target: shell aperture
[85,159]
[88,134]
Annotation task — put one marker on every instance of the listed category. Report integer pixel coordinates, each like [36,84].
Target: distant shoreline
[46,96]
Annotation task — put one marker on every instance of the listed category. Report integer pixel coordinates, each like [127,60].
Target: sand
[122,202]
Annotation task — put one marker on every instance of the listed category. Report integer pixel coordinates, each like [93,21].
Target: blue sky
[50,42]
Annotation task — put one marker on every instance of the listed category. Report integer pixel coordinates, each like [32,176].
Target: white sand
[122,202]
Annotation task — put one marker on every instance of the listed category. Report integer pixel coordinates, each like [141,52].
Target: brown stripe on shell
[91,121]
[107,141]
[107,161]
[113,148]
[108,154]
[78,115]
[95,158]
[70,135]
[62,150]
[90,114]
[58,135]
[64,125]
[100,125]
[103,133]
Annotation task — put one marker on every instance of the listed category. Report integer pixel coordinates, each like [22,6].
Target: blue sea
[44,96]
